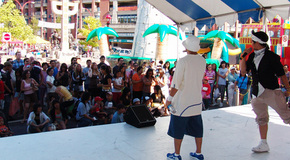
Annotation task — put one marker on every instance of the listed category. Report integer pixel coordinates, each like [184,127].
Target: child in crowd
[118,115]
[4,130]
[205,92]
[148,102]
[110,105]
[136,101]
[118,85]
[98,110]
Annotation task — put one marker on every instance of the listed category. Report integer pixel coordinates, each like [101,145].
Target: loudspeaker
[139,116]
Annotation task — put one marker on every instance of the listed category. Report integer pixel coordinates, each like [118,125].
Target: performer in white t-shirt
[185,97]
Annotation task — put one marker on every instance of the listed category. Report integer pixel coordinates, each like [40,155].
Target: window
[127,18]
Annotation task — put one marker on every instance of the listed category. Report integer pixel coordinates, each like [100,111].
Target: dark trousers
[83,122]
[206,103]
[7,102]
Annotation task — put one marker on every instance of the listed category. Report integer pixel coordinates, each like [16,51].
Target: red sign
[284,40]
[6,37]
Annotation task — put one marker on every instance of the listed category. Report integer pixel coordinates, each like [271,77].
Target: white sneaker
[262,147]
[221,104]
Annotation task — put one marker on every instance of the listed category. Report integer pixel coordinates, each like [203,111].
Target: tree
[14,22]
[220,48]
[34,25]
[91,23]
[162,31]
[58,20]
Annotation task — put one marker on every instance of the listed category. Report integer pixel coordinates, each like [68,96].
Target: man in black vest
[266,67]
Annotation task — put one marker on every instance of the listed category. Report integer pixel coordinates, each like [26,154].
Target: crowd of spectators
[50,94]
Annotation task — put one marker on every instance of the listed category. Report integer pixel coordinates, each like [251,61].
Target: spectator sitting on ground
[118,115]
[84,107]
[158,102]
[136,101]
[126,97]
[110,105]
[4,130]
[38,121]
[98,110]
[58,115]
[148,102]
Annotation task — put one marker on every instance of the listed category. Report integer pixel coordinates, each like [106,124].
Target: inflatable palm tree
[102,33]
[220,49]
[162,38]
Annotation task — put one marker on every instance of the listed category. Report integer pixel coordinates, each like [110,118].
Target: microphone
[246,53]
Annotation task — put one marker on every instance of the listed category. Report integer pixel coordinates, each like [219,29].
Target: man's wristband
[169,98]
[243,56]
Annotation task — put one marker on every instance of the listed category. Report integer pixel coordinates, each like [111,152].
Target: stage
[229,134]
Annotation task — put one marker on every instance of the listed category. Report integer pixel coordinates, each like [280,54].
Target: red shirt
[1,89]
[206,90]
[137,86]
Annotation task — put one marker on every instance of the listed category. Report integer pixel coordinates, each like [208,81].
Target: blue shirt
[82,110]
[242,82]
[232,78]
[222,81]
[55,70]
[17,64]
[117,118]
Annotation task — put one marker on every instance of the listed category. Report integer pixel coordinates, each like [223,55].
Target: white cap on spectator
[147,98]
[136,100]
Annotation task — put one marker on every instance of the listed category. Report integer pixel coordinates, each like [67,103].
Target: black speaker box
[139,116]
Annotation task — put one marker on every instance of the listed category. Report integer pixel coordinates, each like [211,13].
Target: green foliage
[14,22]
[91,23]
[58,20]
[34,25]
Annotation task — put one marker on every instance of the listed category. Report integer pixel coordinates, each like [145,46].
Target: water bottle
[171,109]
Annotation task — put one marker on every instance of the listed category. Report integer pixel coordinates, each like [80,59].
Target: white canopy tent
[191,13]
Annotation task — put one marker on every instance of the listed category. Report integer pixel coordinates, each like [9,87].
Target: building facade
[123,15]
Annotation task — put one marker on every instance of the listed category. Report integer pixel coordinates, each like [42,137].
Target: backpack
[75,108]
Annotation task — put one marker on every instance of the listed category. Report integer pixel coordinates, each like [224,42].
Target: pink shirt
[27,85]
[210,76]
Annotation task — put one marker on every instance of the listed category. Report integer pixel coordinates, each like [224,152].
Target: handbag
[216,93]
[14,106]
[34,87]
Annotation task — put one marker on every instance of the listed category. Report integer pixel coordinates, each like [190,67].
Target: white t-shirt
[51,80]
[118,82]
[187,79]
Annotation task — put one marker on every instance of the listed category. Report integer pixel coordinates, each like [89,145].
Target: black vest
[268,71]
